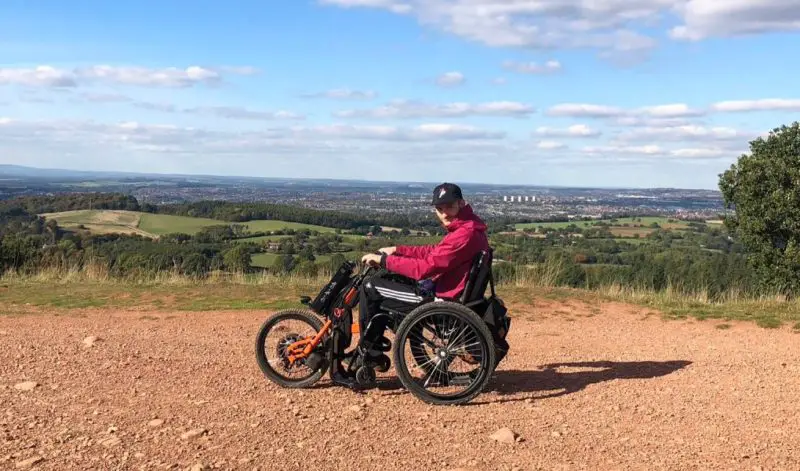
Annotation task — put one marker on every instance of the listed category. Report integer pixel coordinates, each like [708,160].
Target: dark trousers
[383,293]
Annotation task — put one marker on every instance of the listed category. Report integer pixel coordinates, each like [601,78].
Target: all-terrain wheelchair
[434,338]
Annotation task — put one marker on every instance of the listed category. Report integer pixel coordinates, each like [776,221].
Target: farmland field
[265,260]
[154,225]
[100,222]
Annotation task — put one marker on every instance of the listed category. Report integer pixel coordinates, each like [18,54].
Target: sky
[600,93]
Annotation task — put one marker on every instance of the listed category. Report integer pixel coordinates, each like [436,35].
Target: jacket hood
[467,217]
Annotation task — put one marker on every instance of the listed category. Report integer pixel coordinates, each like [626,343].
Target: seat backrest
[479,277]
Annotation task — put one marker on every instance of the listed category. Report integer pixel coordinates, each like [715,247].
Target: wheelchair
[432,340]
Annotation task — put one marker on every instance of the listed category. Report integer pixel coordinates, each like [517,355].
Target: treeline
[71,202]
[243,212]
[697,259]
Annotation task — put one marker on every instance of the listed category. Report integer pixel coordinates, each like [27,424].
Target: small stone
[280,451]
[370,400]
[26,385]
[555,434]
[504,435]
[29,462]
[155,423]
[355,408]
[139,455]
[289,401]
[194,433]
[108,442]
[196,467]
[90,341]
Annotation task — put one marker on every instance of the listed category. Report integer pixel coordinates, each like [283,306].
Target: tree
[237,259]
[763,189]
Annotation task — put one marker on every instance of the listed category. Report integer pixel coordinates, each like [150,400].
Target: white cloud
[645,150]
[683,133]
[767,104]
[550,145]
[575,110]
[614,27]
[532,67]
[576,130]
[656,151]
[499,81]
[235,112]
[701,153]
[586,110]
[716,18]
[423,132]
[675,110]
[143,76]
[414,109]
[43,75]
[534,24]
[450,79]
[391,5]
[343,94]
[164,107]
[171,77]
[104,97]
[169,138]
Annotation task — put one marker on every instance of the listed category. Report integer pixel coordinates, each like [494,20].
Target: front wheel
[279,342]
[450,347]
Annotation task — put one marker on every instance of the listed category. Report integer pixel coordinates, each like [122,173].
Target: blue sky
[570,92]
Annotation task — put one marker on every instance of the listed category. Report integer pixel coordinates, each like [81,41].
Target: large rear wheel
[279,346]
[444,353]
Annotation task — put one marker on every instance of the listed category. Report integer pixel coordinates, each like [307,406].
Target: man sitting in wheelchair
[413,275]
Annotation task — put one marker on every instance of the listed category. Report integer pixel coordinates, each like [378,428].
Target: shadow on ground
[520,384]
[548,378]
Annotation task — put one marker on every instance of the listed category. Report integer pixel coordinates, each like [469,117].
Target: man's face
[447,212]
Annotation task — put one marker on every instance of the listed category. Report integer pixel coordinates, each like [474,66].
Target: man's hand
[387,250]
[372,259]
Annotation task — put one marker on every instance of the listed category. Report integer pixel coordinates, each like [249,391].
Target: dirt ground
[582,388]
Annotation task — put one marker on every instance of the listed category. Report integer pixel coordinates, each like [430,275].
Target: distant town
[522,203]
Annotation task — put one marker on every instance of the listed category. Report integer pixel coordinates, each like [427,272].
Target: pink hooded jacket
[448,262]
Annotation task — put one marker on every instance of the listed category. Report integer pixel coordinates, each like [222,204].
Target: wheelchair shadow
[549,379]
[524,384]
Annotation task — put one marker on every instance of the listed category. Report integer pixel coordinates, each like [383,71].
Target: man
[439,270]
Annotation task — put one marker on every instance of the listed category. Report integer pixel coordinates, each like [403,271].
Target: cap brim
[445,200]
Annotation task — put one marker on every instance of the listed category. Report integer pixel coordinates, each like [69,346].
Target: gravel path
[614,390]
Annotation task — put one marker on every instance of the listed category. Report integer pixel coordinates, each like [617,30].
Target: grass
[265,260]
[95,289]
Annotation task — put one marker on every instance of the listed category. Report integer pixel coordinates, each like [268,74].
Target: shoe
[344,380]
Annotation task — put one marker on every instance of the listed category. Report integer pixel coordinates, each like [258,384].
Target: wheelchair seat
[480,276]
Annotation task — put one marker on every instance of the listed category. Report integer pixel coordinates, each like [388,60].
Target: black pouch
[495,315]
[330,292]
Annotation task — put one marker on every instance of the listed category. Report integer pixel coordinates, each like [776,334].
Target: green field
[154,225]
[265,260]
[160,224]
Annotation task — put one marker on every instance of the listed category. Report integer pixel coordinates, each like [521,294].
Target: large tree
[763,190]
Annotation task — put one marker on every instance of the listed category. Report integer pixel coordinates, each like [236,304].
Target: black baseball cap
[446,193]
